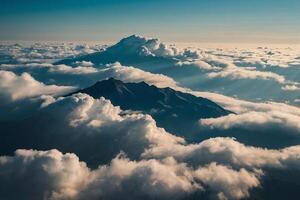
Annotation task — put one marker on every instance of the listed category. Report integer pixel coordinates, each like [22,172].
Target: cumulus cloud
[165,166]
[93,74]
[145,179]
[14,87]
[131,74]
[199,64]
[37,175]
[139,45]
[221,168]
[65,177]
[250,64]
[40,52]
[281,57]
[256,121]
[84,63]
[227,151]
[236,187]
[81,121]
[82,110]
[65,69]
[85,68]
[241,106]
[290,87]
[233,72]
[254,118]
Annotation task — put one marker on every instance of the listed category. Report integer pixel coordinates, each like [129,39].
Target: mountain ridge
[175,111]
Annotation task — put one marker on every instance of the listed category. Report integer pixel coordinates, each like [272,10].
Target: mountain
[149,55]
[175,111]
[129,51]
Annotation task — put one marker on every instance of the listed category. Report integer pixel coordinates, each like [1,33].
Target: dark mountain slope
[175,111]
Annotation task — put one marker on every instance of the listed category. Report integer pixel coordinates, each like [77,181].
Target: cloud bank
[14,87]
[65,177]
[157,165]
[124,154]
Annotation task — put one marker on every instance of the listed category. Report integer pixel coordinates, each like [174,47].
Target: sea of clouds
[77,147]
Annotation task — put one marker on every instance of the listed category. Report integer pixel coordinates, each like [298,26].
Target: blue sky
[252,21]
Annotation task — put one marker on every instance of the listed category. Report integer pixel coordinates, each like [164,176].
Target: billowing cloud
[227,183]
[65,69]
[115,70]
[155,164]
[256,121]
[292,87]
[139,45]
[227,151]
[242,106]
[37,175]
[131,74]
[199,64]
[65,177]
[78,121]
[14,87]
[85,63]
[233,72]
[40,52]
[221,168]
[165,167]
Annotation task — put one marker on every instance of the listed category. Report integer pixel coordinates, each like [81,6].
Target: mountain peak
[111,80]
[110,84]
[133,48]
[136,45]
[173,110]
[133,39]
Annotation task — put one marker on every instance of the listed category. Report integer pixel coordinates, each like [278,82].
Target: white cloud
[115,70]
[65,69]
[82,110]
[14,87]
[50,174]
[242,106]
[226,182]
[290,87]
[268,117]
[159,164]
[65,177]
[131,74]
[198,63]
[165,166]
[233,72]
[227,151]
[143,46]
[80,121]
[256,121]
[84,63]
[26,52]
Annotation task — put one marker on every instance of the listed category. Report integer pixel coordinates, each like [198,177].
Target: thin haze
[256,21]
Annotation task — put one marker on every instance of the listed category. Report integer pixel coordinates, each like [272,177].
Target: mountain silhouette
[175,111]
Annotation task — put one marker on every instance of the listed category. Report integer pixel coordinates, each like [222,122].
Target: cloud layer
[65,177]
[14,87]
[116,153]
[165,166]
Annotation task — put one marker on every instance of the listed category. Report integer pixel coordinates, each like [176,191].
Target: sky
[255,21]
